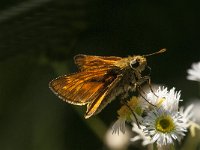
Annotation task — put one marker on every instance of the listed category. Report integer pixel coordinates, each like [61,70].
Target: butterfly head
[138,63]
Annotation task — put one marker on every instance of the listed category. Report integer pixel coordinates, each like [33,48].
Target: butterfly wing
[91,85]
[86,62]
[101,99]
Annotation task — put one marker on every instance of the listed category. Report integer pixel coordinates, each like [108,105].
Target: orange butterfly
[100,79]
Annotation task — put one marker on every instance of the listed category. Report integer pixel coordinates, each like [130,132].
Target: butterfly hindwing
[86,62]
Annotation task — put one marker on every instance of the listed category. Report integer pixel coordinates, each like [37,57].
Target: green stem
[166,147]
[199,89]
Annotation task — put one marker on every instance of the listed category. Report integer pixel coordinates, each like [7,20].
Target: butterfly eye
[134,63]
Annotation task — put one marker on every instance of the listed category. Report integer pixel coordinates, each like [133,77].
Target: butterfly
[100,79]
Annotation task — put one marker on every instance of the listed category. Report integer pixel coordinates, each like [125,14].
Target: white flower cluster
[158,119]
[194,72]
[160,124]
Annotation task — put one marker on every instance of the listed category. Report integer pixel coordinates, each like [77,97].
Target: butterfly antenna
[155,53]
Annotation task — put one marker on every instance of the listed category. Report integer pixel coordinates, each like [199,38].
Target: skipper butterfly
[100,79]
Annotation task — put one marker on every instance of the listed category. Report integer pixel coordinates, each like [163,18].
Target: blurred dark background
[38,39]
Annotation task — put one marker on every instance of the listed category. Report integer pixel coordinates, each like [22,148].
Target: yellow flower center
[134,101]
[125,111]
[164,124]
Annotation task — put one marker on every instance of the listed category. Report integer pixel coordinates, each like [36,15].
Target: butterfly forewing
[78,88]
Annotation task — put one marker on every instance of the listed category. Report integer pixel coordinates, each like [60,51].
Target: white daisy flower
[146,140]
[119,126]
[187,114]
[117,141]
[164,126]
[169,100]
[194,72]
[195,109]
[125,114]
[188,119]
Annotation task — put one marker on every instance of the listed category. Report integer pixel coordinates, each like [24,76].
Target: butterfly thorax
[136,63]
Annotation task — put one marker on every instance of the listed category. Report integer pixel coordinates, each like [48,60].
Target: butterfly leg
[139,89]
[148,80]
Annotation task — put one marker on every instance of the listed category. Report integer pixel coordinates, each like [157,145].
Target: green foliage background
[38,43]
